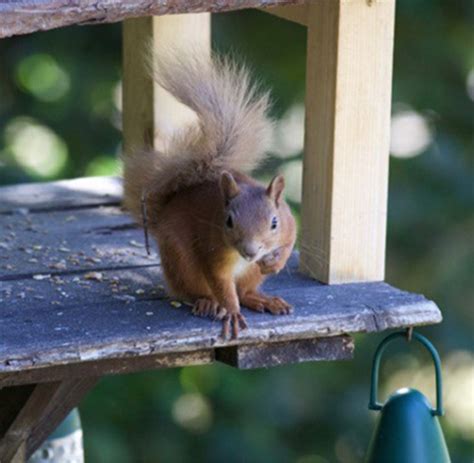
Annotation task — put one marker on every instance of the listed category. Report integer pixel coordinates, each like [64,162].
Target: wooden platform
[77,286]
[79,299]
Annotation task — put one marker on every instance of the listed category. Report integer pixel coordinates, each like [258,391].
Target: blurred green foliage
[60,118]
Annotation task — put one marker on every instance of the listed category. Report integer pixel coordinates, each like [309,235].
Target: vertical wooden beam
[138,115]
[69,395]
[15,437]
[20,455]
[348,99]
[150,113]
[38,414]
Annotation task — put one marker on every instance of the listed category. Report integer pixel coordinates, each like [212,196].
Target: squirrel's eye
[229,222]
[274,223]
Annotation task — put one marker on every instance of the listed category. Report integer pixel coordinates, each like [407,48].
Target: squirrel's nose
[249,250]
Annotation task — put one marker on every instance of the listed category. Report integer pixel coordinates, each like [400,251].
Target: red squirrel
[219,232]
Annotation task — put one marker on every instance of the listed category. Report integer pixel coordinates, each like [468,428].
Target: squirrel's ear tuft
[229,186]
[275,188]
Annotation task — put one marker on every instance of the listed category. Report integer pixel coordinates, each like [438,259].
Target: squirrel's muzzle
[249,251]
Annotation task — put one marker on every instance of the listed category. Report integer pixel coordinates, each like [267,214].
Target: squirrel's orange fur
[219,231]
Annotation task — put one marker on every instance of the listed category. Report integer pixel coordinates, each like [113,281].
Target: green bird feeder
[408,430]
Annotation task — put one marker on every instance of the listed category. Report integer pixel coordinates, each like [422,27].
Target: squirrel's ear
[275,189]
[229,186]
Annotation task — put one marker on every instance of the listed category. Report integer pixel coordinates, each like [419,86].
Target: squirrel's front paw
[271,262]
[233,322]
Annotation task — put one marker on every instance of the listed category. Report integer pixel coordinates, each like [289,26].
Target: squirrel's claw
[221,313]
[234,322]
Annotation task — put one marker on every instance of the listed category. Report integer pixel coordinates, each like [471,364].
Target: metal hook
[373,403]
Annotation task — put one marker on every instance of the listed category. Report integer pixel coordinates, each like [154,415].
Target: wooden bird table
[79,297]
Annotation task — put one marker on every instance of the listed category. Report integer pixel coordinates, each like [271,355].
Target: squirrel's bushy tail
[232,131]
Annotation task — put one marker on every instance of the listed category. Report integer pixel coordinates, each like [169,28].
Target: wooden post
[149,113]
[33,412]
[348,97]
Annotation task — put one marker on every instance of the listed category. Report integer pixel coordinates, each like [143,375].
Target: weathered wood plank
[115,366]
[125,315]
[64,194]
[73,241]
[348,96]
[35,15]
[281,353]
[243,357]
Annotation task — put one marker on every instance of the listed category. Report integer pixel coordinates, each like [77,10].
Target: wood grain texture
[119,316]
[25,16]
[348,98]
[60,195]
[70,242]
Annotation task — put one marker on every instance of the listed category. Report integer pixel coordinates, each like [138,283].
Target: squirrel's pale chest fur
[241,267]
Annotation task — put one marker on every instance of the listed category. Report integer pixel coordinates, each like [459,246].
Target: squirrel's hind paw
[208,308]
[261,303]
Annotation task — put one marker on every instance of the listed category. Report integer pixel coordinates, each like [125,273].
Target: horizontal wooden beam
[283,353]
[246,356]
[117,366]
[38,15]
[293,13]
